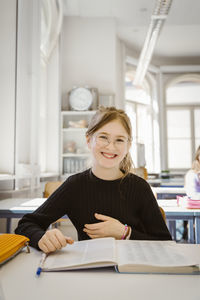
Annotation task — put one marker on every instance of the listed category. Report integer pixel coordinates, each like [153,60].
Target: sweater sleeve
[154,226]
[34,225]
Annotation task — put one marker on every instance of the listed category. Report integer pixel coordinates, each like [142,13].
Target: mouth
[109,155]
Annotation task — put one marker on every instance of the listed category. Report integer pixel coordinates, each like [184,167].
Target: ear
[88,141]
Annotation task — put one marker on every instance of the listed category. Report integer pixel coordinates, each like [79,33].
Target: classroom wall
[90,55]
[120,69]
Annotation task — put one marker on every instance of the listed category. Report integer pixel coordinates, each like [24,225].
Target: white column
[162,122]
[27,100]
[7,84]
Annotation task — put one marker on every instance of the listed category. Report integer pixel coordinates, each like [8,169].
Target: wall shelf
[73,137]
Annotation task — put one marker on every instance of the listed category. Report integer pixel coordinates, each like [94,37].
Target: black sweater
[129,200]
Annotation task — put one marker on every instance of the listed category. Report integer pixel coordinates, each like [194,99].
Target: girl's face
[109,145]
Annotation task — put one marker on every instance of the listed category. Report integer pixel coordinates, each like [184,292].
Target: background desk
[169,192]
[16,208]
[174,212]
[18,282]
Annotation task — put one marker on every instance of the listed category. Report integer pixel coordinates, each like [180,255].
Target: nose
[111,145]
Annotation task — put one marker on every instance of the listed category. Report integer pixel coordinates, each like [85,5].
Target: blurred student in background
[192,178]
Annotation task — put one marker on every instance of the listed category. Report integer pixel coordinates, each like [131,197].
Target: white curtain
[51,23]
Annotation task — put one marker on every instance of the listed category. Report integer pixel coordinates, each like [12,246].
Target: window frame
[191,108]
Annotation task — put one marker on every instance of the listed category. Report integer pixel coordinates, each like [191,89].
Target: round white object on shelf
[80,99]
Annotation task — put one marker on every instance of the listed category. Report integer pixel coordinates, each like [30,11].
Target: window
[197,127]
[179,138]
[142,111]
[183,120]
[184,92]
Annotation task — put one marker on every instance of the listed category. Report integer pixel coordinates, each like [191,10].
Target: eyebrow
[102,132]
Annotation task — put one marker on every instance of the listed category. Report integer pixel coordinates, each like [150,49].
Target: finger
[42,246]
[88,231]
[94,236]
[54,240]
[50,246]
[61,238]
[69,240]
[93,226]
[102,217]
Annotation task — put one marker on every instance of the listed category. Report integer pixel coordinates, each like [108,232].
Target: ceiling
[179,40]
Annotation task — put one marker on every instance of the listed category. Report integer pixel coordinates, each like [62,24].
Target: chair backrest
[161,209]
[163,213]
[141,172]
[50,187]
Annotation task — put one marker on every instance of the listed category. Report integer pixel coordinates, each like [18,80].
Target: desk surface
[20,205]
[18,281]
[171,206]
[169,190]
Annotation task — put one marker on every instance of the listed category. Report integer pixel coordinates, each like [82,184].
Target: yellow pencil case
[11,245]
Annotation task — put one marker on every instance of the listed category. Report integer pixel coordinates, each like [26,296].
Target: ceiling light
[158,18]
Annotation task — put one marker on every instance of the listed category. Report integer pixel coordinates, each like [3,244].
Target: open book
[128,256]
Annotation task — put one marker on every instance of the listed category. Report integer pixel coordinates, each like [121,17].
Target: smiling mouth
[108,155]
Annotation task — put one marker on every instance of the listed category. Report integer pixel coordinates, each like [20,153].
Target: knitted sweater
[130,201]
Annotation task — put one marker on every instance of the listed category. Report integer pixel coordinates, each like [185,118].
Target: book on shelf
[127,256]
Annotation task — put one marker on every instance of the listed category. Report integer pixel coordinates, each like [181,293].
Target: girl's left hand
[110,227]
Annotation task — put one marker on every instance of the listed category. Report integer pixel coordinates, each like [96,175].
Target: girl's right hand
[53,240]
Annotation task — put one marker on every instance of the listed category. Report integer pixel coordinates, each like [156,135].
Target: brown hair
[196,162]
[105,115]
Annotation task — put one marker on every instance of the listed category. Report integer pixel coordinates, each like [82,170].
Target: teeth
[108,155]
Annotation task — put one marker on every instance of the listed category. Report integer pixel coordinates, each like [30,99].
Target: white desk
[17,207]
[174,212]
[168,192]
[18,282]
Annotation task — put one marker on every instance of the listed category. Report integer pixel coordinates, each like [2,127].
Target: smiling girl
[103,201]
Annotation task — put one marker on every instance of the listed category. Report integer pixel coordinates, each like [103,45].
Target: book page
[156,253]
[83,252]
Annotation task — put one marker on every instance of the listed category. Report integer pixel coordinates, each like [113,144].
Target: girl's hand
[110,227]
[53,240]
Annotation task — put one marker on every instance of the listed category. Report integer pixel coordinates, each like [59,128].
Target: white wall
[120,69]
[89,55]
[7,84]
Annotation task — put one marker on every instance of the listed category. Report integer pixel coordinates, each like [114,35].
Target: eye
[103,137]
[120,141]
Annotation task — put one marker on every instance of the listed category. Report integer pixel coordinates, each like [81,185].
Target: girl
[192,178]
[100,201]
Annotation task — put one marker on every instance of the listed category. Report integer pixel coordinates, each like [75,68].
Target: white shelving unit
[74,151]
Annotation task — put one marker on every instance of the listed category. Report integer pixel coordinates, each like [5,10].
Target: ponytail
[126,164]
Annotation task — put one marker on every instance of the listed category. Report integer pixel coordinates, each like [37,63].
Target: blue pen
[39,269]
